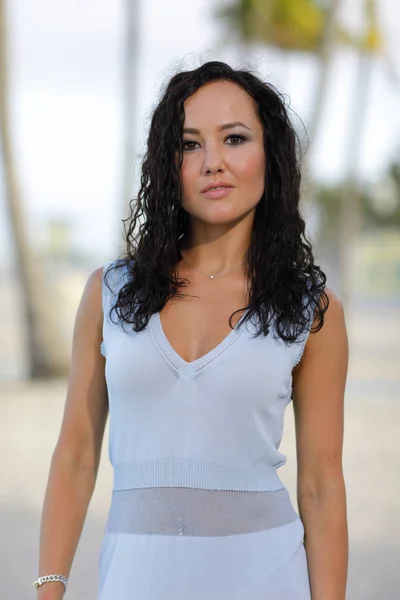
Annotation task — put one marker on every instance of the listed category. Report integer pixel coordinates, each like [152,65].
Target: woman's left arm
[318,402]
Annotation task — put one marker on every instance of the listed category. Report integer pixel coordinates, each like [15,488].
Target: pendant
[211,276]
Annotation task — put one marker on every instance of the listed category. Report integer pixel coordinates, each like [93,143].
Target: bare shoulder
[333,328]
[330,341]
[94,282]
[87,334]
[91,301]
[335,311]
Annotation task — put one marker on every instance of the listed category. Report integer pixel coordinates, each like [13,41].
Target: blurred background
[78,82]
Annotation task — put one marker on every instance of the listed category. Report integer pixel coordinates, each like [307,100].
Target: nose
[213,160]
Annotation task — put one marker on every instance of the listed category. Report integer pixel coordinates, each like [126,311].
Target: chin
[217,218]
[223,216]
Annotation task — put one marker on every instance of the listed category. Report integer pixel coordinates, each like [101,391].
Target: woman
[197,395]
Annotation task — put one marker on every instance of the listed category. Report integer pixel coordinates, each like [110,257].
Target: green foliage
[295,25]
[288,24]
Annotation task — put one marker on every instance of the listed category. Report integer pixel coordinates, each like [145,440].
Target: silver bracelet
[46,578]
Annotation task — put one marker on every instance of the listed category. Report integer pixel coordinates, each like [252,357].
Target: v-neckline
[184,368]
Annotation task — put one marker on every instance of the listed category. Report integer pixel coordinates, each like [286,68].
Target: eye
[236,140]
[189,145]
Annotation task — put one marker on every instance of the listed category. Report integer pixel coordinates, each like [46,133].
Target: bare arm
[318,400]
[76,456]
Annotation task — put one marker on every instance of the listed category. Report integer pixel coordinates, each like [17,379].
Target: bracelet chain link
[47,578]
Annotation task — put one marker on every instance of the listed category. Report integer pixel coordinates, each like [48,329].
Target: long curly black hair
[284,282]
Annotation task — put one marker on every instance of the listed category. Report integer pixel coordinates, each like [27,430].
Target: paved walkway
[29,422]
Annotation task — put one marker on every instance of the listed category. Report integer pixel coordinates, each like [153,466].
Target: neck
[215,254]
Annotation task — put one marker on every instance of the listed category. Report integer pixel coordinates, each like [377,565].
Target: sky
[67,106]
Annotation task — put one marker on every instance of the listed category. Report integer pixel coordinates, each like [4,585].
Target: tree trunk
[324,57]
[46,353]
[130,82]
[350,215]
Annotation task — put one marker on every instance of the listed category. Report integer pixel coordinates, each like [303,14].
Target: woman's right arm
[76,457]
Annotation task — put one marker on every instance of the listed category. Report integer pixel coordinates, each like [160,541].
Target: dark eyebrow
[231,125]
[222,128]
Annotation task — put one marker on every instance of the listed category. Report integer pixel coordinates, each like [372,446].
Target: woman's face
[222,144]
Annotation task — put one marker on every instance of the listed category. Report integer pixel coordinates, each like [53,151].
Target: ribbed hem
[192,473]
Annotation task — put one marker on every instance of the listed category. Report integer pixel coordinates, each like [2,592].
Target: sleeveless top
[194,446]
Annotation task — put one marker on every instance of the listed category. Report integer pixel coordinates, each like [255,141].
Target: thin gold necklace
[207,274]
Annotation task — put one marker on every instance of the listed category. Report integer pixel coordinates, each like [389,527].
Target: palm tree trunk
[130,80]
[45,352]
[350,214]
[324,57]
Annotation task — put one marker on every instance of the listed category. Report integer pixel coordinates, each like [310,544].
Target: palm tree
[46,354]
[368,45]
[303,25]
[291,26]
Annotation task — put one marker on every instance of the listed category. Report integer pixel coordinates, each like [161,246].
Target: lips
[218,192]
[218,184]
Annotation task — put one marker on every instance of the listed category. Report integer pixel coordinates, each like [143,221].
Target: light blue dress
[198,511]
